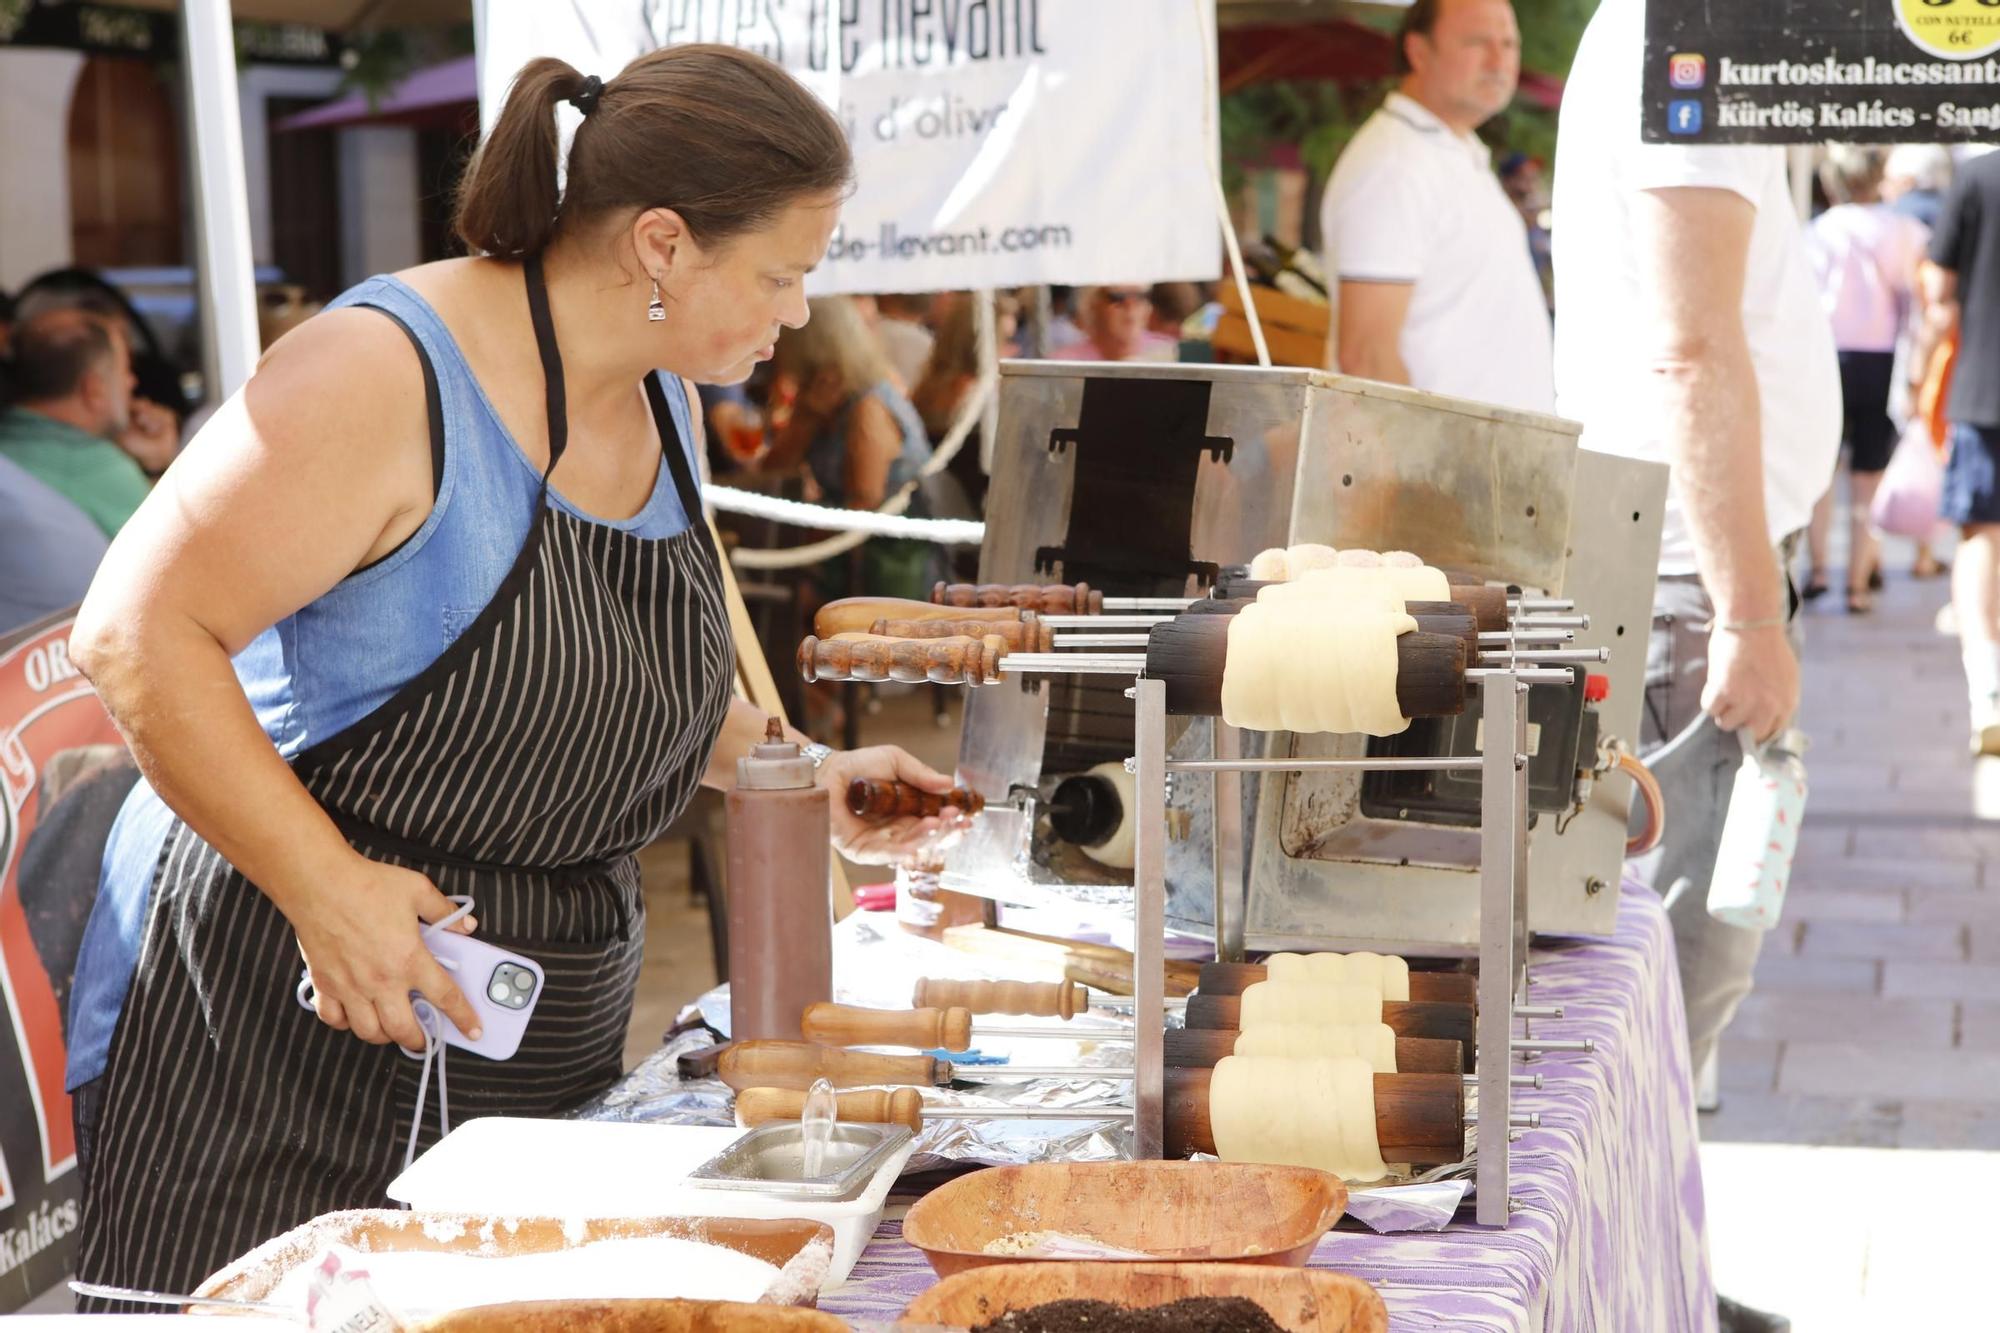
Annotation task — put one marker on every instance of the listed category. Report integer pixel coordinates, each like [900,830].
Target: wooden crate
[1294,329]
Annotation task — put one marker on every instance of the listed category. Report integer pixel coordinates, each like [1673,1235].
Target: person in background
[1962,296]
[855,432]
[1063,326]
[1435,284]
[1914,180]
[1174,303]
[1690,333]
[948,381]
[49,549]
[72,402]
[1865,257]
[159,408]
[1521,177]
[1116,324]
[902,326]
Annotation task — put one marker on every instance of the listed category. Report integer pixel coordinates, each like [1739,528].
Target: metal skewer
[1524,638]
[139,1296]
[1552,655]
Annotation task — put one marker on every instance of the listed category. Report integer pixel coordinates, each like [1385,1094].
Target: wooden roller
[870,798]
[1487,605]
[1051,599]
[920,1029]
[1037,999]
[1188,653]
[1413,1018]
[1448,987]
[1419,1118]
[796,1064]
[870,1106]
[854,615]
[956,661]
[1200,1048]
[1022,636]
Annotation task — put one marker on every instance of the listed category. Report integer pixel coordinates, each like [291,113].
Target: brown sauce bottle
[780,905]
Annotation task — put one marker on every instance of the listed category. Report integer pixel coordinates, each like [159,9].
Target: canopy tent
[445,94]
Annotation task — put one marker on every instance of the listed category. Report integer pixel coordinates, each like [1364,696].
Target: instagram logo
[1687,71]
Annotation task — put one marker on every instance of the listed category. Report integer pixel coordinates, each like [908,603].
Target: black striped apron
[562,731]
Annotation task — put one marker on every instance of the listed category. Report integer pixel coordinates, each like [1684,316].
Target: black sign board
[1820,71]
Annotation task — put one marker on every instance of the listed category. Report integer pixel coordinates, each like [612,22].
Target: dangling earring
[655,312]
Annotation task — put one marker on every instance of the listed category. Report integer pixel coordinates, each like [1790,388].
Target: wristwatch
[816,752]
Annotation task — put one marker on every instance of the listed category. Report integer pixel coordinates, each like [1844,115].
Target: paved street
[1876,1021]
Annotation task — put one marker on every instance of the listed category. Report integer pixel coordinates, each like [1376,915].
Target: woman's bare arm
[318,466]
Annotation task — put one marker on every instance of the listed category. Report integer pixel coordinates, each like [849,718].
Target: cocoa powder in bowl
[1195,1314]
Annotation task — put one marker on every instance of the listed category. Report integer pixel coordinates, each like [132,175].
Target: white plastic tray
[585,1168]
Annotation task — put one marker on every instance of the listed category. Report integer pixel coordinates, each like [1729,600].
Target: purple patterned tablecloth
[1608,1232]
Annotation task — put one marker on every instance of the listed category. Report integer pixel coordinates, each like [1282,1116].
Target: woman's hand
[358,932]
[888,842]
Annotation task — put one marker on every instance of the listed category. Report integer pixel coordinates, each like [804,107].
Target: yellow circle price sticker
[1953,29]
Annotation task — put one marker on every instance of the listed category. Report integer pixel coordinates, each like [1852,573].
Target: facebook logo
[1684,117]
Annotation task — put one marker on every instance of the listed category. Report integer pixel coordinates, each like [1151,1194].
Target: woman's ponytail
[725,138]
[508,202]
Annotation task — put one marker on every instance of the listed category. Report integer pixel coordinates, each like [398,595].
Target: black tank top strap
[552,368]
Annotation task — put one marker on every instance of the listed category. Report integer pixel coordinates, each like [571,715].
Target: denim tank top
[335,660]
[827,454]
[338,658]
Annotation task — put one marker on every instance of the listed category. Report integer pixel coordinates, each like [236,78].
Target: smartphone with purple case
[501,987]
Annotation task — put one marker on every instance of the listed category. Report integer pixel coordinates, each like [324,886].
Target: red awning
[437,95]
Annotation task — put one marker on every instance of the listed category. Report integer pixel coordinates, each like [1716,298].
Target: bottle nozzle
[774,731]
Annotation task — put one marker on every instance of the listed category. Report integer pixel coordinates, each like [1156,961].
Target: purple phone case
[472,963]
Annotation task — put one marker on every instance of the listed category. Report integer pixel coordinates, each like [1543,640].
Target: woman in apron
[428,610]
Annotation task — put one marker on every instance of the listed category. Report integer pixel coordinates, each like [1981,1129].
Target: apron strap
[552,368]
[677,459]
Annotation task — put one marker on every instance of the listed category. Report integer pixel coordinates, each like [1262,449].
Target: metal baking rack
[1503,873]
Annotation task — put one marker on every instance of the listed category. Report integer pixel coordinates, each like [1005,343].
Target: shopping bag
[1906,503]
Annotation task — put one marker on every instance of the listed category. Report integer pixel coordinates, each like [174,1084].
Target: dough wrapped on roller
[1355,558]
[1291,1112]
[1270,566]
[1402,560]
[1374,1043]
[1308,668]
[1386,973]
[1283,1004]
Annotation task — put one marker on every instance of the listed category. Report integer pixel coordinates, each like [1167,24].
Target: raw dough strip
[1375,1043]
[1297,1112]
[1385,972]
[1422,584]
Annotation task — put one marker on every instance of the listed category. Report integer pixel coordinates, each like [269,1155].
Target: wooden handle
[921,1029]
[1448,987]
[1021,636]
[1419,1118]
[955,661]
[1488,605]
[795,1064]
[1041,999]
[1051,599]
[1200,1048]
[878,799]
[871,1106]
[852,615]
[1189,654]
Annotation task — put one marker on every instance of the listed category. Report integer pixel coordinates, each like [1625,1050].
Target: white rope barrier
[852,527]
[864,522]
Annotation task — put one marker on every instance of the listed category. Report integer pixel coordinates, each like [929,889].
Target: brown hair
[725,138]
[55,349]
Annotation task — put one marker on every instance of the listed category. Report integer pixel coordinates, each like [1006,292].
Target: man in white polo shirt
[1437,285]
[1689,331]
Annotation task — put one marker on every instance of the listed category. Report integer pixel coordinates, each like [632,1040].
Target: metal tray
[771,1160]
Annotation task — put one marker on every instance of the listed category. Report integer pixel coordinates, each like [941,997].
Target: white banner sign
[997,142]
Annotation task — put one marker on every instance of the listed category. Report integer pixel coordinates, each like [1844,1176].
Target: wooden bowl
[1218,1212]
[802,1250]
[632,1317]
[1301,1300]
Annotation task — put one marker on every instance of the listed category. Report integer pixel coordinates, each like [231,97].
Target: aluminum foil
[876,964]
